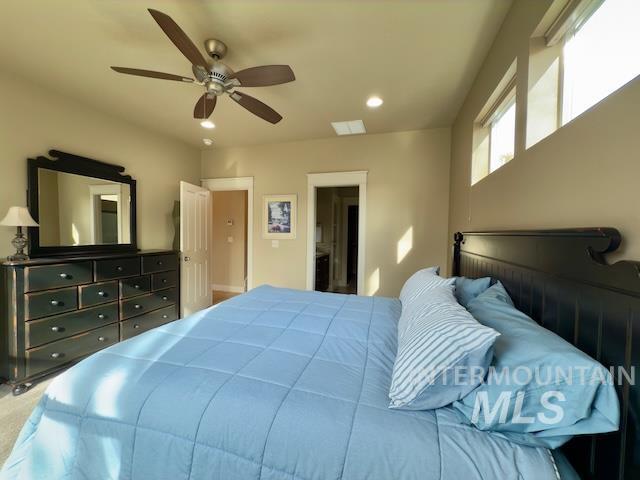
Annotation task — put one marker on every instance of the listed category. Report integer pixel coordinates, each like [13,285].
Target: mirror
[82,206]
[78,210]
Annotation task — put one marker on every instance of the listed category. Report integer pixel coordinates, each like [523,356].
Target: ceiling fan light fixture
[374,102]
[217,78]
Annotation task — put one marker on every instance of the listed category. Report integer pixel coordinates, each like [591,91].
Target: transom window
[601,54]
[588,51]
[502,134]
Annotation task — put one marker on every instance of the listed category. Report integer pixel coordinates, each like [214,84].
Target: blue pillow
[469,288]
[437,338]
[541,389]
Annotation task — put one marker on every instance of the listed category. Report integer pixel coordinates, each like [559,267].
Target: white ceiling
[419,56]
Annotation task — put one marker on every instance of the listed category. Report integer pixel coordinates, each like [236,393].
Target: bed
[277,384]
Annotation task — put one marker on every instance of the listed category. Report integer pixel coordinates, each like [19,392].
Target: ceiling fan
[215,76]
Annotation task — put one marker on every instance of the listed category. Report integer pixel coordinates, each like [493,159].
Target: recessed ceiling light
[374,102]
[207,124]
[207,141]
[351,127]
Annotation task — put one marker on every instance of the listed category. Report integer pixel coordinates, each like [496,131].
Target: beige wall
[407,196]
[48,207]
[228,259]
[75,205]
[584,174]
[34,120]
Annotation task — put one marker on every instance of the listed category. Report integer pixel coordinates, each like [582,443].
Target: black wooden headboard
[560,278]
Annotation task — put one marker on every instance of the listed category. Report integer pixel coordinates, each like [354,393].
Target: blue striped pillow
[438,338]
[420,282]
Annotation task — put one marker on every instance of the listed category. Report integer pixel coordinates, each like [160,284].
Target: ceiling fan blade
[265,75]
[151,74]
[204,107]
[178,37]
[256,107]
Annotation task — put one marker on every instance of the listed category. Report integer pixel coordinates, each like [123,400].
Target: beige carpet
[14,412]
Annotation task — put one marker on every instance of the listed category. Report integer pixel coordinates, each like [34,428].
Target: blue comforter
[273,384]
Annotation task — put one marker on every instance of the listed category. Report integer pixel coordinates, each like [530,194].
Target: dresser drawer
[163,280]
[98,293]
[159,263]
[46,277]
[135,326]
[50,329]
[58,353]
[139,305]
[118,268]
[51,302]
[132,287]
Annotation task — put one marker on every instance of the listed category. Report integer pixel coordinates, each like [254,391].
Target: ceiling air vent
[350,127]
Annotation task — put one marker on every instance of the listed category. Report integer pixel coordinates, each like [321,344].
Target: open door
[195,228]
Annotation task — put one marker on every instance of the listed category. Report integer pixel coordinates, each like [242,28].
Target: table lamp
[18,217]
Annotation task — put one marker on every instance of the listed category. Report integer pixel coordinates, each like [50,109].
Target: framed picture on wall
[279,216]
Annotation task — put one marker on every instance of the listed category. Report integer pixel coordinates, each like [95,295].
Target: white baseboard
[227,288]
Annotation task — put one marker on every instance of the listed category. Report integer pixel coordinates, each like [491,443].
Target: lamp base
[18,257]
[19,243]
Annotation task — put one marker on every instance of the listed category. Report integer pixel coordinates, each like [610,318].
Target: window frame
[587,9]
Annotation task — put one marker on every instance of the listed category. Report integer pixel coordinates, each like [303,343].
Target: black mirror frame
[69,163]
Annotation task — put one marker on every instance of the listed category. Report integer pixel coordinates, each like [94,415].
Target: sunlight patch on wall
[374,282]
[405,244]
[75,234]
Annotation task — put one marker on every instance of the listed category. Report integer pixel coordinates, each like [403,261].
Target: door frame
[336,179]
[105,189]
[232,184]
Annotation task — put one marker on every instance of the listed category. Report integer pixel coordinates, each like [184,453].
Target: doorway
[336,213]
[228,244]
[244,184]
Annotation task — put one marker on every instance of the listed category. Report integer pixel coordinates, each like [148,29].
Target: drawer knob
[57,329]
[165,316]
[165,298]
[102,293]
[137,306]
[135,325]
[159,262]
[57,355]
[101,339]
[66,276]
[101,316]
[164,280]
[137,287]
[119,268]
[57,303]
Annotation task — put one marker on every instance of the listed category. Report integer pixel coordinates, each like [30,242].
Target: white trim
[336,179]
[228,184]
[227,288]
[238,183]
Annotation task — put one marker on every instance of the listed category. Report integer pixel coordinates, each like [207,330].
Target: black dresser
[55,311]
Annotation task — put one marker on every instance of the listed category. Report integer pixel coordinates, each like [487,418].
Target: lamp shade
[18,217]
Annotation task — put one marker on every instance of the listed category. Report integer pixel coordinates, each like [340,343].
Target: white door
[195,230]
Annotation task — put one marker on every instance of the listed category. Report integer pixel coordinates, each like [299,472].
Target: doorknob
[187,259]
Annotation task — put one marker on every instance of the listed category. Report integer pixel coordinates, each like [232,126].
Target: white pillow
[438,338]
